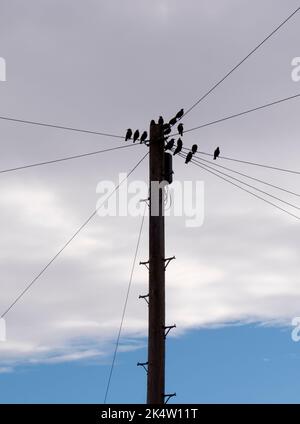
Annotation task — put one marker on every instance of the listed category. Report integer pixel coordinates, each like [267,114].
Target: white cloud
[73,312]
[241,266]
[5,370]
[69,357]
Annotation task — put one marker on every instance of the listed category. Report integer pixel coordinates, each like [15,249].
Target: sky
[233,289]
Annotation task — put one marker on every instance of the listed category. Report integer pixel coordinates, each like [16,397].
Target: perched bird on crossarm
[180,129]
[167,131]
[170,144]
[179,147]
[194,149]
[189,157]
[136,135]
[144,137]
[128,134]
[161,120]
[180,114]
[217,153]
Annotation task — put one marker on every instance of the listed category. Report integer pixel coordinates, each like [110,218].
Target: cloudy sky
[106,66]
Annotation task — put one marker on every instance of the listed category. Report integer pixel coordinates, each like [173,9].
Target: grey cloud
[106,66]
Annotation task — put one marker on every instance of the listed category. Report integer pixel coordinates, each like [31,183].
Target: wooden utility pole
[156,339]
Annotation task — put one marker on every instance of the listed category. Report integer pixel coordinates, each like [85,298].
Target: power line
[226,118]
[60,127]
[248,176]
[290,171]
[65,158]
[242,61]
[124,307]
[67,128]
[70,240]
[247,191]
[249,185]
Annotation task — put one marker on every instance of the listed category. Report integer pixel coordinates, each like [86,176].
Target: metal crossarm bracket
[145,297]
[169,396]
[144,365]
[168,260]
[169,328]
[146,201]
[145,263]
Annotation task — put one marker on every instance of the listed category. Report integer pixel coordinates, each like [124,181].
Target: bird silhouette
[180,114]
[161,120]
[170,144]
[180,129]
[144,137]
[173,121]
[189,157]
[217,153]
[179,147]
[128,134]
[136,135]
[194,148]
[167,131]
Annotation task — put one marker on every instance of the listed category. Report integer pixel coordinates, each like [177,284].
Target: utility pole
[156,336]
[160,174]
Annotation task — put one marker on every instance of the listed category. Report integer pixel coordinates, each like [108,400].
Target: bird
[136,135]
[180,114]
[180,129]
[167,131]
[161,120]
[189,157]
[179,147]
[172,121]
[194,148]
[217,153]
[144,137]
[170,144]
[166,126]
[128,134]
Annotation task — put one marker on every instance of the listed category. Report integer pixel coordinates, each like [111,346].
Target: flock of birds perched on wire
[167,129]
